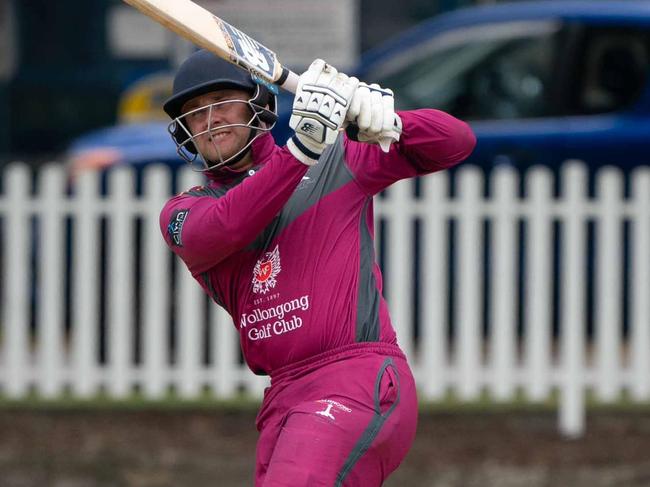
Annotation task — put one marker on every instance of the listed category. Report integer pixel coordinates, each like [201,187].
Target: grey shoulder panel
[208,191]
[218,191]
[368,298]
[323,178]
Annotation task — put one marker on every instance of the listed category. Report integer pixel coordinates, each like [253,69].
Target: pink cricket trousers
[344,418]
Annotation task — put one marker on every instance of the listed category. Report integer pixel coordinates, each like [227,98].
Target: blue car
[540,82]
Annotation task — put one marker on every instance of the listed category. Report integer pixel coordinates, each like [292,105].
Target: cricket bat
[208,31]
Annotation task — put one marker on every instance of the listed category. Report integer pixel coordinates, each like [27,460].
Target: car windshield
[489,72]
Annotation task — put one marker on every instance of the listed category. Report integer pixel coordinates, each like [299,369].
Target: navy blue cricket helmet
[204,72]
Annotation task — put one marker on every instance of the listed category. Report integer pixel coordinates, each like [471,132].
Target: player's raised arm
[390,146]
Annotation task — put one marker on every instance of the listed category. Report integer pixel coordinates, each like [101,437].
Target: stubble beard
[216,151]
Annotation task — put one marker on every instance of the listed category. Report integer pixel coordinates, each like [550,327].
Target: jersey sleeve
[205,227]
[431,141]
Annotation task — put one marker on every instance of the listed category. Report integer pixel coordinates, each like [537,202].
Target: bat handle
[288,80]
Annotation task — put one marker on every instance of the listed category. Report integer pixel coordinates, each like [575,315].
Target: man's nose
[213,119]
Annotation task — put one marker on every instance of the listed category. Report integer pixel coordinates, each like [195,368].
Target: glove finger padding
[390,119]
[364,117]
[311,75]
[355,106]
[376,110]
[344,87]
[373,111]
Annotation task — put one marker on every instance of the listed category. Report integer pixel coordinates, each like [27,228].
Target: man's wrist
[304,149]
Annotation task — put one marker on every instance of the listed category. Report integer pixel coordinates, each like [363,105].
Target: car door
[607,99]
[502,77]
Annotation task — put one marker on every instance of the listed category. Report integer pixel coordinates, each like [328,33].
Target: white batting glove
[319,108]
[373,112]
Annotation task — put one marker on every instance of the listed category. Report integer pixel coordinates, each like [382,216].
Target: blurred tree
[7,67]
[68,82]
[62,85]
[65,33]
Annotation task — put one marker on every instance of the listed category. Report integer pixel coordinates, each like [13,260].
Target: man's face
[203,118]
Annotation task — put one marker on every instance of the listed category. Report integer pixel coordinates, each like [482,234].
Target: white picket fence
[88,304]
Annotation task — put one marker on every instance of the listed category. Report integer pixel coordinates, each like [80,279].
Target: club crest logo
[265,271]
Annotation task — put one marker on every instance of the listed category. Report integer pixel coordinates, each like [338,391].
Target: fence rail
[523,291]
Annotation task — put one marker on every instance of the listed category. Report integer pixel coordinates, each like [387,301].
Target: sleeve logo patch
[175,227]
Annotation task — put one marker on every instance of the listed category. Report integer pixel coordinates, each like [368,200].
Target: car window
[612,70]
[501,71]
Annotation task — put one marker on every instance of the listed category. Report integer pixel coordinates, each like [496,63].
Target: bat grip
[288,80]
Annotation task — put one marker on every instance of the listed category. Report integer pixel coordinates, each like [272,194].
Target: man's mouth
[219,135]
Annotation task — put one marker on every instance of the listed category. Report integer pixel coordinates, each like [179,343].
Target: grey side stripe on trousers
[374,426]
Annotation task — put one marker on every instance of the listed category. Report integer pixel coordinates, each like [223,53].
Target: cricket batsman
[282,238]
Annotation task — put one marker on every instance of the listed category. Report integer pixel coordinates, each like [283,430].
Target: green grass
[485,403]
[170,402]
[244,403]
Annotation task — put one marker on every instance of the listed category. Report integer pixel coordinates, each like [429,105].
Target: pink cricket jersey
[288,249]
